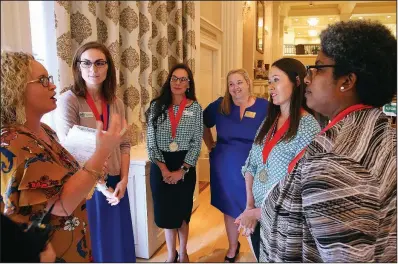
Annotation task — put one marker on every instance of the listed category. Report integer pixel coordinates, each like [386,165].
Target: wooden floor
[207,241]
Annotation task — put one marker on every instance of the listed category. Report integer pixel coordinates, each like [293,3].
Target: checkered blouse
[279,158]
[188,137]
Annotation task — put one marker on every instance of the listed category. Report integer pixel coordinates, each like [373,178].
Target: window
[42,27]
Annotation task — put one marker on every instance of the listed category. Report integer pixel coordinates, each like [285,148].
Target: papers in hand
[81,143]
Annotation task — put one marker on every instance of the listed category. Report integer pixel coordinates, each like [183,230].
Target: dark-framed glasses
[313,69]
[44,80]
[181,79]
[98,63]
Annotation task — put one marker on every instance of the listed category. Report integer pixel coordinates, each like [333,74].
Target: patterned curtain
[145,38]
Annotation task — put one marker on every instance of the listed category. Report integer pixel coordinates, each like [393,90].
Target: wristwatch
[185,171]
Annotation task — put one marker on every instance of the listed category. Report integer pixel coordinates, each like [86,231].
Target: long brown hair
[108,88]
[225,105]
[164,100]
[293,69]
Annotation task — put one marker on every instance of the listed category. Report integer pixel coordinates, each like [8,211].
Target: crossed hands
[171,177]
[248,220]
[113,196]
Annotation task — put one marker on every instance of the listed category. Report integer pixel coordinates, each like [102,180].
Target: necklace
[45,138]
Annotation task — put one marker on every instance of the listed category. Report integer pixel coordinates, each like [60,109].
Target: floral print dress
[33,172]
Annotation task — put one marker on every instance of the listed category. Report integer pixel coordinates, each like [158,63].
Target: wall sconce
[245,10]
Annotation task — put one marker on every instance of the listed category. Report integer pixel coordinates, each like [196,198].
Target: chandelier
[312,21]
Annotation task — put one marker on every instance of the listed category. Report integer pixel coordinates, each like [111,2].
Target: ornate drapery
[145,38]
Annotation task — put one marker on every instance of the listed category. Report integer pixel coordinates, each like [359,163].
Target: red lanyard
[93,108]
[270,144]
[335,120]
[174,120]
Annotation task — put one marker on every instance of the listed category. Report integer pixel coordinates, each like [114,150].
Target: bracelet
[98,176]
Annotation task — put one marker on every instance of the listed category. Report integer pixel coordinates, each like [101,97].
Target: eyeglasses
[181,79]
[98,63]
[45,81]
[311,73]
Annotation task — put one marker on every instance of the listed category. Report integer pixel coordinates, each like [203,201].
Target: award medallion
[263,176]
[173,146]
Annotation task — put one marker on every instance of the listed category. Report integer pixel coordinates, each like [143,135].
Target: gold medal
[173,146]
[263,175]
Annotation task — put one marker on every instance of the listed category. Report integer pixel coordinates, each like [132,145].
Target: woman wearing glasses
[93,98]
[174,138]
[339,204]
[36,171]
[286,131]
[236,117]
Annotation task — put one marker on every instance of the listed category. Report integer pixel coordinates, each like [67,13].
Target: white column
[275,30]
[232,43]
[345,17]
[15,26]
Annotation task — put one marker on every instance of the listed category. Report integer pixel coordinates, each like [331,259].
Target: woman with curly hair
[37,173]
[339,202]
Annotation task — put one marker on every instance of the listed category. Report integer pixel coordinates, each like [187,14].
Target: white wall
[309,40]
[393,28]
[288,38]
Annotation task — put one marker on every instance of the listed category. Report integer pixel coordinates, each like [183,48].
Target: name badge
[86,114]
[188,113]
[250,114]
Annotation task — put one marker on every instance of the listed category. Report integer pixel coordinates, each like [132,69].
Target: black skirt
[172,203]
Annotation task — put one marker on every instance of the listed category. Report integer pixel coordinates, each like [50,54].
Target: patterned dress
[340,202]
[32,172]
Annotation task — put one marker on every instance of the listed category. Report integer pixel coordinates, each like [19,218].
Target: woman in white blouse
[175,129]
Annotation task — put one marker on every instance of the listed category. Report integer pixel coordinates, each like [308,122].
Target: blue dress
[111,228]
[234,141]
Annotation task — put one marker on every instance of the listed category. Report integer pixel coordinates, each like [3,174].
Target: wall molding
[211,37]
[210,29]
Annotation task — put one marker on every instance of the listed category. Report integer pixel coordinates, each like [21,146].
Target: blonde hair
[15,71]
[225,106]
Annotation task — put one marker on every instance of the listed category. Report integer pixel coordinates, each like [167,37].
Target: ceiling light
[312,33]
[360,17]
[313,21]
[299,33]
[388,16]
[296,19]
[330,18]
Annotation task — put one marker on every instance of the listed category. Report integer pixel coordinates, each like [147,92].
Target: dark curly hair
[164,100]
[368,49]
